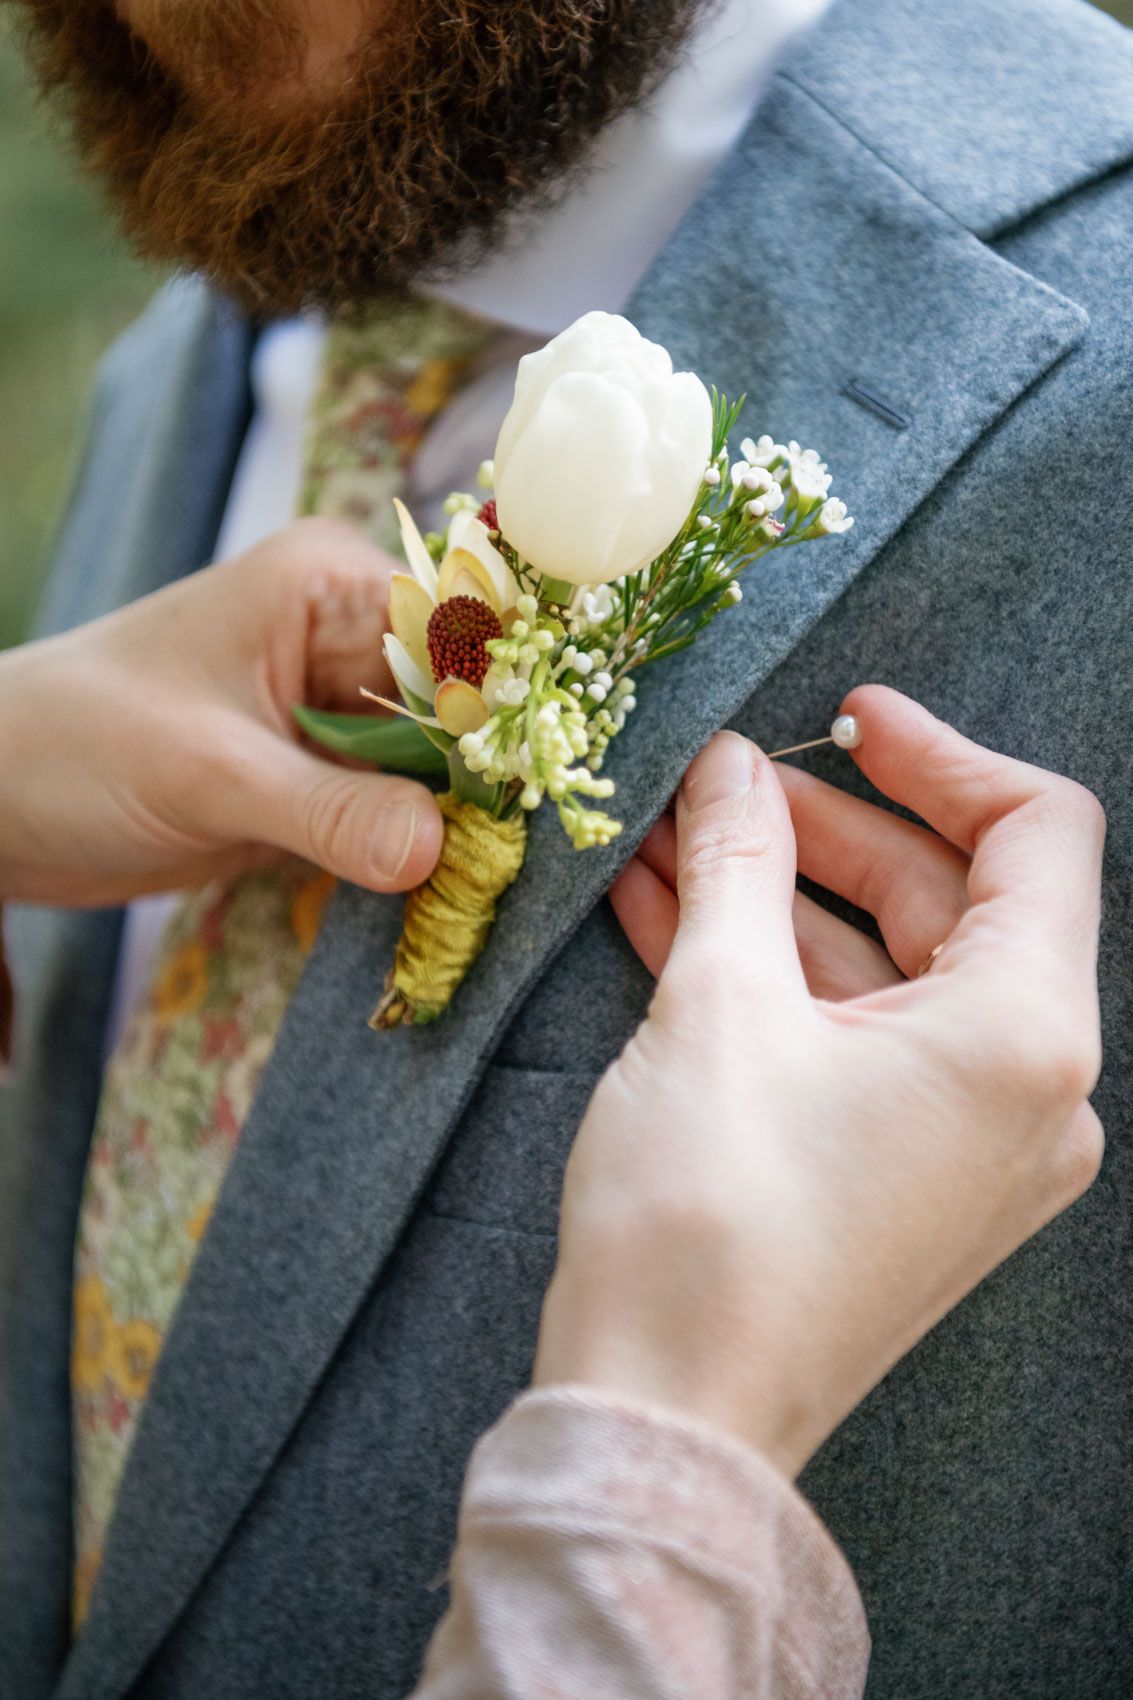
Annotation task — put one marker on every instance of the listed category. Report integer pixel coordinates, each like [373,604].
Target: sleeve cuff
[639,1474]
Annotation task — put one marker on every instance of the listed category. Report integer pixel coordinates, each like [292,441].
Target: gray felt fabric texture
[929,208]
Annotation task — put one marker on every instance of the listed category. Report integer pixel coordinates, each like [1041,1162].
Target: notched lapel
[808,265]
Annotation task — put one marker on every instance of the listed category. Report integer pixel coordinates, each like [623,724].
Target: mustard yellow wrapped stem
[447,920]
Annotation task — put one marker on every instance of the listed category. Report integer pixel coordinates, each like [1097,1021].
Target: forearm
[49,763]
[14,766]
[610,1552]
[17,765]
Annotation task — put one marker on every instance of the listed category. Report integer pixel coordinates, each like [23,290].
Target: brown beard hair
[450,115]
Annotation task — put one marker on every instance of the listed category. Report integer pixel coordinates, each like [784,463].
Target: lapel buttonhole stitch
[873,403]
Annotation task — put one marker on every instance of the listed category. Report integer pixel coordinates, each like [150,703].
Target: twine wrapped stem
[447,920]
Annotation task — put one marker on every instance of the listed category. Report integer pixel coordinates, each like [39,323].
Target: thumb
[375,830]
[736,865]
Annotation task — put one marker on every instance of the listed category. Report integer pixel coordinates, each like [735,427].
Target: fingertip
[871,691]
[879,710]
[331,564]
[330,536]
[405,839]
[658,850]
[736,858]
[427,839]
[722,772]
[623,889]
[647,911]
[730,784]
[889,725]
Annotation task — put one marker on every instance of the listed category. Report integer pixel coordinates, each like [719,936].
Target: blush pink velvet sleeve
[609,1551]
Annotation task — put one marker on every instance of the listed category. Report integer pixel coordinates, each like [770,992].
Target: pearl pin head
[846,732]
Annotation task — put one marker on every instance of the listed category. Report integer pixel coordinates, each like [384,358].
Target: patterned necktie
[182,1080]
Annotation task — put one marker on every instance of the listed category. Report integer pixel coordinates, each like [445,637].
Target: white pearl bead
[846,732]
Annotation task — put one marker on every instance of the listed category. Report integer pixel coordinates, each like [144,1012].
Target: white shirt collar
[593,246]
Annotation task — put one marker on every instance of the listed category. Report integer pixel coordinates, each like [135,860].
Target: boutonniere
[611,529]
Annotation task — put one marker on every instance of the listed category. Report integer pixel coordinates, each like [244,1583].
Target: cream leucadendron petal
[469,533]
[461,574]
[602,453]
[417,687]
[410,607]
[460,708]
[400,708]
[419,559]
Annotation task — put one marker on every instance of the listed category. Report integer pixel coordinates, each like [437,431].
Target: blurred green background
[66,288]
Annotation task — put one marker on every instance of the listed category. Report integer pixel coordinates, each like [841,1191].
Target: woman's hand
[154,749]
[804,1158]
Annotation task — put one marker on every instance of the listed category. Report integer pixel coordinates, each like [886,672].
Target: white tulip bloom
[602,454]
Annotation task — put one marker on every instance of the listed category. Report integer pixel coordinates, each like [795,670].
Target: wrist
[735,1388]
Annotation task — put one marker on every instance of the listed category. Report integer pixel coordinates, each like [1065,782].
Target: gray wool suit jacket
[919,258]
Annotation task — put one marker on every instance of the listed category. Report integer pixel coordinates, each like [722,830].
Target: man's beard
[448,116]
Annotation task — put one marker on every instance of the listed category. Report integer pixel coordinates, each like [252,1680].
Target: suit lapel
[168,414]
[811,276]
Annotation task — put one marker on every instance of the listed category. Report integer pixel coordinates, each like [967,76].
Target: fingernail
[393,839]
[724,770]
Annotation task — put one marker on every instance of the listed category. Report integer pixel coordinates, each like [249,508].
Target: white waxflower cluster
[608,719]
[800,469]
[805,480]
[543,762]
[515,657]
[833,519]
[606,702]
[541,730]
[592,606]
[809,476]
[764,494]
[493,753]
[588,827]
[764,452]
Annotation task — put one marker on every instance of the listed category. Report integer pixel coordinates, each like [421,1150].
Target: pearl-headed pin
[846,732]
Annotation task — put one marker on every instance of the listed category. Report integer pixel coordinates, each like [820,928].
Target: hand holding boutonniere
[612,530]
